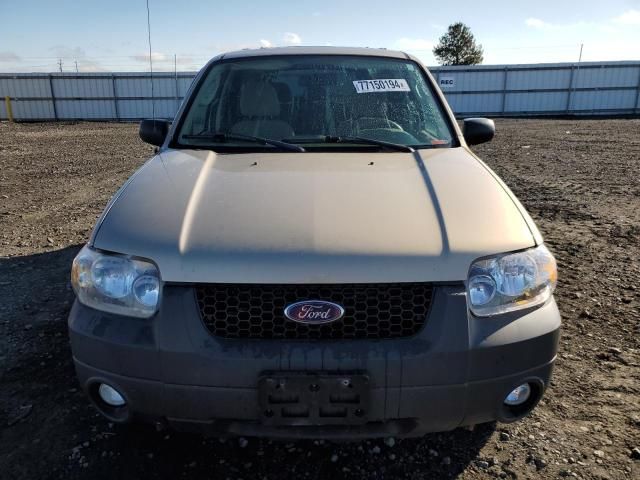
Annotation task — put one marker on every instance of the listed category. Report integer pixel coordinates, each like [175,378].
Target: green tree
[458,47]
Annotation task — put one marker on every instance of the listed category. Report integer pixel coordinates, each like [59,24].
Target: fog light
[110,396]
[518,395]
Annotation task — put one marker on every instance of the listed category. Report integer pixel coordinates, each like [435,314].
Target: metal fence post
[115,97]
[504,89]
[53,98]
[570,89]
[636,106]
[7,104]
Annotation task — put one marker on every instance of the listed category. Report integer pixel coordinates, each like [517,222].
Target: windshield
[310,99]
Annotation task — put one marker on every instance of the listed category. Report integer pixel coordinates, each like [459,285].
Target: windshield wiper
[393,146]
[224,137]
[337,139]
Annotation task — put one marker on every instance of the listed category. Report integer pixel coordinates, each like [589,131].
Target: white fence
[92,96]
[594,88]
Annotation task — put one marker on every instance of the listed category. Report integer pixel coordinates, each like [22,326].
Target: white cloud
[537,23]
[68,52]
[75,57]
[91,67]
[184,59]
[630,17]
[155,56]
[265,43]
[9,57]
[291,38]
[607,29]
[413,44]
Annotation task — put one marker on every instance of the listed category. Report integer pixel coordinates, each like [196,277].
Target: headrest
[259,99]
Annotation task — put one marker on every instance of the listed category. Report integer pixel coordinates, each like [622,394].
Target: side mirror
[478,130]
[153,131]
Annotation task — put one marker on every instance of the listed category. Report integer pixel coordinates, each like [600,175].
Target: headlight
[116,283]
[511,281]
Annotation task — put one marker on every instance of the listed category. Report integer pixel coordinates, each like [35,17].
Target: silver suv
[314,252]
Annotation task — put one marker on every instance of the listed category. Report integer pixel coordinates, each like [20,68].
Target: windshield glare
[302,98]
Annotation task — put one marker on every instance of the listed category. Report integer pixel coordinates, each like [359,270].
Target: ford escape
[314,251]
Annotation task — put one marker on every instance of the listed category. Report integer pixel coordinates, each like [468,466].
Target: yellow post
[7,103]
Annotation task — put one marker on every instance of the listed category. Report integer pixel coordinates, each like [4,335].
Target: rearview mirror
[154,131]
[478,130]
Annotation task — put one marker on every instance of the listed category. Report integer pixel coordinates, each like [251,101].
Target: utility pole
[60,64]
[153,100]
[76,66]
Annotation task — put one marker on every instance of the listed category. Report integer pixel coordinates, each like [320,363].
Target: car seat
[260,107]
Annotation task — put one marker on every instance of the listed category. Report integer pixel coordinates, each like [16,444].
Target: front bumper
[455,372]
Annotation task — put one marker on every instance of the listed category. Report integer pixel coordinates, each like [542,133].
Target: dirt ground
[578,179]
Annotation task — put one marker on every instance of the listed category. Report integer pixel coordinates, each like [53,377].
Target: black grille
[372,311]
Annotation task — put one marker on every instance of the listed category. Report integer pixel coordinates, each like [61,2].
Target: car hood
[313,217]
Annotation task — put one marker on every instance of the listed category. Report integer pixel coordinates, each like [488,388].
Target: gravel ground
[578,179]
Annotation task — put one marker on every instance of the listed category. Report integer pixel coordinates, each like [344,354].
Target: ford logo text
[314,312]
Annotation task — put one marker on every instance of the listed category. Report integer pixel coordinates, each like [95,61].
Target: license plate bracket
[313,398]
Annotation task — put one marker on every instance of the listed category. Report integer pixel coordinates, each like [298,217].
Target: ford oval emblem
[314,312]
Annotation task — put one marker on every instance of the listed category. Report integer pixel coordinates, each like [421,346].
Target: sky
[111,35]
